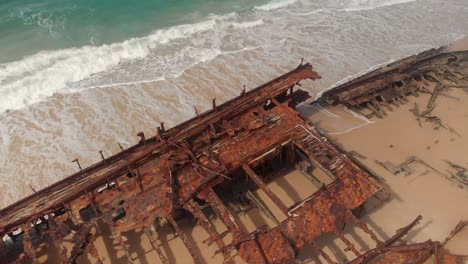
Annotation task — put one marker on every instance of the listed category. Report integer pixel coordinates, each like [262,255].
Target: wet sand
[440,200]
[429,192]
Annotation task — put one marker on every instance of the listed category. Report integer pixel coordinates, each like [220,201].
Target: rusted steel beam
[364,228]
[184,239]
[260,183]
[394,81]
[322,253]
[195,210]
[155,245]
[349,245]
[326,210]
[220,209]
[395,252]
[371,254]
[83,243]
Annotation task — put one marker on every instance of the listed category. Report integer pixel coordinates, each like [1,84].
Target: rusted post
[322,253]
[102,155]
[348,243]
[120,146]
[260,183]
[32,189]
[312,158]
[136,175]
[142,138]
[159,132]
[193,208]
[155,246]
[196,111]
[364,227]
[78,163]
[226,216]
[182,236]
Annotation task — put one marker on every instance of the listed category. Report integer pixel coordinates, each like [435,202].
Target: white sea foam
[42,19]
[248,24]
[68,127]
[359,5]
[275,4]
[36,77]
[312,12]
[352,77]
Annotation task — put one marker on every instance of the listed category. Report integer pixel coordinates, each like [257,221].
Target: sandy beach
[62,101]
[429,190]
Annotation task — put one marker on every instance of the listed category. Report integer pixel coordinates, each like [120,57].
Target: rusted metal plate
[276,247]
[328,209]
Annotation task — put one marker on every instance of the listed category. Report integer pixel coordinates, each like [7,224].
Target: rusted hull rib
[372,95]
[395,251]
[391,83]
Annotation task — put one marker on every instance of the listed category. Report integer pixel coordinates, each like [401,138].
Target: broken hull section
[221,156]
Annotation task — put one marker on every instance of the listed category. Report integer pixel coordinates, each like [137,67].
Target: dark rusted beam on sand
[154,244]
[184,239]
[261,184]
[193,208]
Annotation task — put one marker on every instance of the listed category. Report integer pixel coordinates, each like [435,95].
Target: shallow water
[69,103]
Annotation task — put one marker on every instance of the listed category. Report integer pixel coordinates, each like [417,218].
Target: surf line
[326,111]
[359,116]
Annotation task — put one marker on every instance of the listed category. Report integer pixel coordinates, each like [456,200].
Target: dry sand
[440,200]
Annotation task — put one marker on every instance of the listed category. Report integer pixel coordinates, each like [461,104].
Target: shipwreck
[219,157]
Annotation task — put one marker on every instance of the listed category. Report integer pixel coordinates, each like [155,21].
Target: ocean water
[80,76]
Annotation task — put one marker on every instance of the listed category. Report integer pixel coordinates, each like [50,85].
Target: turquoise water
[29,26]
[49,47]
[78,76]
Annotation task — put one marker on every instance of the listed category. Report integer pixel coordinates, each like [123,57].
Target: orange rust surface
[73,187]
[324,212]
[150,181]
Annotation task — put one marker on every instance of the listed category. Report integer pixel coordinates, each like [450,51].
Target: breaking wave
[359,5]
[41,75]
[275,4]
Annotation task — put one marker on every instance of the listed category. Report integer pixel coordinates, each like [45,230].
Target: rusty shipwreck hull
[389,85]
[180,168]
[374,95]
[181,171]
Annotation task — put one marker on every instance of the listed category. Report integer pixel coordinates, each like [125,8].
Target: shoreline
[422,191]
